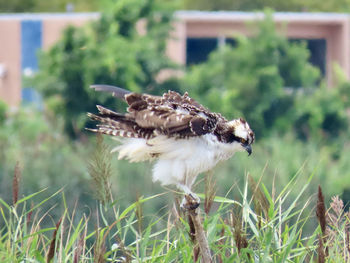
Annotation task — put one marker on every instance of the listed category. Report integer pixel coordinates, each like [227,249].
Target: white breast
[179,160]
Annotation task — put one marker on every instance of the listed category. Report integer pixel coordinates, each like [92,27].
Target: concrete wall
[10,61]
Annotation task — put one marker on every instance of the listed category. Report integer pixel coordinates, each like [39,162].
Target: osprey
[183,137]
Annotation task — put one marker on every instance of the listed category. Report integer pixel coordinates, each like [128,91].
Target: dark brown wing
[116,124]
[171,114]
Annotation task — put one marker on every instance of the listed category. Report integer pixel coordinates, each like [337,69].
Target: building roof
[42,16]
[279,16]
[196,16]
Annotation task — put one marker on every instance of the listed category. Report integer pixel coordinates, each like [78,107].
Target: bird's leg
[191,201]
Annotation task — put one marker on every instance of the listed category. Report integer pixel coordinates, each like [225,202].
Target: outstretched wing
[171,114]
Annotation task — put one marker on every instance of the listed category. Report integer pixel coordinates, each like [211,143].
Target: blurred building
[21,37]
[195,35]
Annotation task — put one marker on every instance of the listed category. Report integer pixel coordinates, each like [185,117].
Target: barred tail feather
[109,113]
[114,127]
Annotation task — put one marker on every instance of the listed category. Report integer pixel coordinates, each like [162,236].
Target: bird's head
[242,134]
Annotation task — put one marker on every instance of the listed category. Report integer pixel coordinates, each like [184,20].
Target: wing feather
[148,115]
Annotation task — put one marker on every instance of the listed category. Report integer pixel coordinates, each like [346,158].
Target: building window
[318,49]
[31,42]
[198,49]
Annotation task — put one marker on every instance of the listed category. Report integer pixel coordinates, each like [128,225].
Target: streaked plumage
[183,137]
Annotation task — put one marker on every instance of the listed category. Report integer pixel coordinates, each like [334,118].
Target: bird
[181,136]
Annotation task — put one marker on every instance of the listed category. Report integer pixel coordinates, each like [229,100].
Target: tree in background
[257,79]
[15,6]
[109,51]
[325,112]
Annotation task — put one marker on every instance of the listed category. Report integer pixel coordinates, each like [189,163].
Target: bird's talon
[190,202]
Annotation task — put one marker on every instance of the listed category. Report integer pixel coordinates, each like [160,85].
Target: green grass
[271,219]
[260,226]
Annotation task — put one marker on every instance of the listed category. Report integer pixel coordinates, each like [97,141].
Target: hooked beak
[248,148]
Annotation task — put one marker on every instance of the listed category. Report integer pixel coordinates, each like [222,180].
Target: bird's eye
[243,141]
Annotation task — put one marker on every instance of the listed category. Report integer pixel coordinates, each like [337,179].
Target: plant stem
[200,235]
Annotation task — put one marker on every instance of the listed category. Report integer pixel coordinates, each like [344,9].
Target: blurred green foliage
[108,51]
[322,114]
[211,5]
[15,6]
[45,156]
[3,109]
[259,79]
[325,112]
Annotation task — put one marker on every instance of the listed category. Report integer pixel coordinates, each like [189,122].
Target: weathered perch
[199,234]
